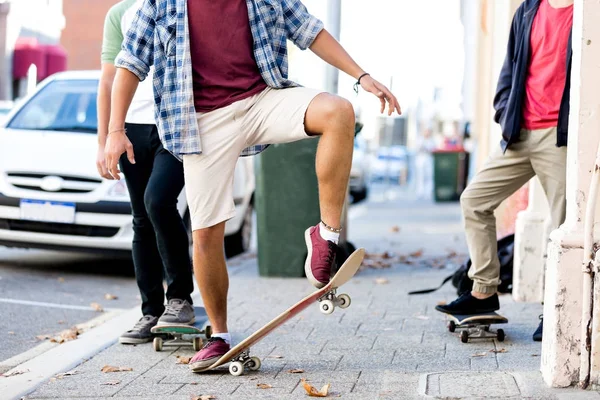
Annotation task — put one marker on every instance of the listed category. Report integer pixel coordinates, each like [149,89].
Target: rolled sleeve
[133,64]
[302,28]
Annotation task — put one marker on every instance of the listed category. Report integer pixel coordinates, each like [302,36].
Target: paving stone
[460,385]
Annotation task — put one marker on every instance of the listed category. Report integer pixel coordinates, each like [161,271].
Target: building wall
[82,36]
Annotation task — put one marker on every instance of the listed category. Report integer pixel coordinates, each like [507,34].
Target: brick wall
[82,36]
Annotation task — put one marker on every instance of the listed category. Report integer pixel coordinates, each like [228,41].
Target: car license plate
[48,211]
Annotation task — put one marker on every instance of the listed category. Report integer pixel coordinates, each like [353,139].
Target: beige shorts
[271,117]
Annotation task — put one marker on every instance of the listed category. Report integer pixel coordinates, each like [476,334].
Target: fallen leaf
[381,281]
[313,392]
[498,351]
[263,386]
[204,397]
[395,229]
[417,254]
[68,373]
[296,371]
[14,373]
[183,360]
[11,332]
[61,280]
[274,356]
[111,383]
[479,355]
[97,307]
[64,336]
[43,337]
[110,368]
[109,296]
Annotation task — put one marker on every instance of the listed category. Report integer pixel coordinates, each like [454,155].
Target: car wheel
[239,242]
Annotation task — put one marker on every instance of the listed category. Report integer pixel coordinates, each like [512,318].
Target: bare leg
[332,117]
[210,271]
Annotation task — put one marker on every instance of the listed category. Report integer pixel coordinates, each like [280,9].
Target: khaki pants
[502,175]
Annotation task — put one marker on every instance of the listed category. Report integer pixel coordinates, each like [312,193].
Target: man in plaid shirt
[221,91]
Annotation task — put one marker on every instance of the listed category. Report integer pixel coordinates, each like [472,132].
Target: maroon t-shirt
[223,65]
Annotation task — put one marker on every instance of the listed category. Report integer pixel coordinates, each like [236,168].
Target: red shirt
[547,74]
[223,66]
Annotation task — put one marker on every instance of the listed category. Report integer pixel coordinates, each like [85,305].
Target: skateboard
[477,326]
[239,356]
[183,335]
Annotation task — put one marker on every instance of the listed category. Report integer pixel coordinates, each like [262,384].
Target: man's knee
[209,239]
[336,114]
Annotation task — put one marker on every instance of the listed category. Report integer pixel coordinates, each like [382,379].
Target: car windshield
[62,105]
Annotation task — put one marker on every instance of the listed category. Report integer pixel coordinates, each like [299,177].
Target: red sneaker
[214,349]
[320,259]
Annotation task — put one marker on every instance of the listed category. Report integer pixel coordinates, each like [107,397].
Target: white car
[5,107]
[50,193]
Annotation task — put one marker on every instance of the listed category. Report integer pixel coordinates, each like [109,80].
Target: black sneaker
[466,304]
[177,312]
[140,333]
[537,336]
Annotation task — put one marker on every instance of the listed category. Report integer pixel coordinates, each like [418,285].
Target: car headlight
[118,191]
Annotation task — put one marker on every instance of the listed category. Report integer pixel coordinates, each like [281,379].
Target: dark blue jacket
[510,94]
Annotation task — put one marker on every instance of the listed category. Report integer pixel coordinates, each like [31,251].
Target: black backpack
[462,282]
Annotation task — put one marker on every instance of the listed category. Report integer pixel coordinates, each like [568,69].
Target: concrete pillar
[564,277]
[531,240]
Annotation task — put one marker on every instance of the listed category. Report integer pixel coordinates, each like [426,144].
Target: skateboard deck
[239,355]
[183,335]
[477,326]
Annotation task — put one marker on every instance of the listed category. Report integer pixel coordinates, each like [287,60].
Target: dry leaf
[64,336]
[381,281]
[274,356]
[109,296]
[395,229]
[97,307]
[183,360]
[110,368]
[296,371]
[11,332]
[43,337]
[111,383]
[479,355]
[68,373]
[17,372]
[263,386]
[204,397]
[313,392]
[498,351]
[61,280]
[417,254]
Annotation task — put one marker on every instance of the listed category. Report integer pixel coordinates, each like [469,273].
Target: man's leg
[287,115]
[164,187]
[550,165]
[500,177]
[146,259]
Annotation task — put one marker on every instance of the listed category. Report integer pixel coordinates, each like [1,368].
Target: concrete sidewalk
[387,345]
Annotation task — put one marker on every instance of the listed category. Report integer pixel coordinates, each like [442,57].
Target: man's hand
[101,164]
[117,143]
[371,85]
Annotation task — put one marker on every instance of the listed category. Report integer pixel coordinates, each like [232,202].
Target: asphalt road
[44,292]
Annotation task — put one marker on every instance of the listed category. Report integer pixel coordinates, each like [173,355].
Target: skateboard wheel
[327,306]
[254,364]
[343,301]
[197,343]
[501,335]
[236,368]
[451,326]
[157,343]
[208,331]
[464,336]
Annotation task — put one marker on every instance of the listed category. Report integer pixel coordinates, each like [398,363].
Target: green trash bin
[287,203]
[450,174]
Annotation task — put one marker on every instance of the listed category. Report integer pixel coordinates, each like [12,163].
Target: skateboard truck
[242,361]
[476,331]
[329,301]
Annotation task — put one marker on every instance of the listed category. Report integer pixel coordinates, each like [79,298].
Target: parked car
[360,172]
[391,164]
[5,107]
[50,193]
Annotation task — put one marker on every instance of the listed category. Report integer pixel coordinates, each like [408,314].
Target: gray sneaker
[140,333]
[178,312]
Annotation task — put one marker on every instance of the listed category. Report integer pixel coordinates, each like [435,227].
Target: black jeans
[160,239]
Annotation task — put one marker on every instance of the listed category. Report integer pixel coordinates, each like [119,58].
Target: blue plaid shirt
[159,36]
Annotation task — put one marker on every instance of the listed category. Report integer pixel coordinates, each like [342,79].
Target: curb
[64,357]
